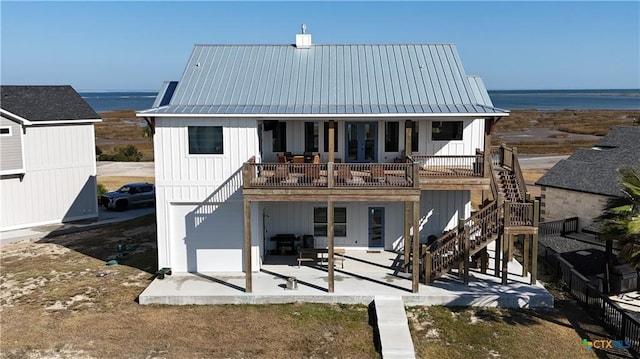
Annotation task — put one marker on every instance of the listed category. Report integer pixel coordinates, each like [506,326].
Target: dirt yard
[58,299]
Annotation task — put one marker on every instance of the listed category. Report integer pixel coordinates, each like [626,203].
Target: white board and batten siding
[59,183]
[472,139]
[199,197]
[439,212]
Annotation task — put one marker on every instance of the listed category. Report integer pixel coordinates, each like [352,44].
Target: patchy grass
[121,128]
[587,122]
[59,300]
[441,332]
[564,131]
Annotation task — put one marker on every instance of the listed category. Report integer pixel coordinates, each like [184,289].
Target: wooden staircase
[473,234]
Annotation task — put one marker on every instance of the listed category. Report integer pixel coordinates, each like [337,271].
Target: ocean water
[549,100]
[112,100]
[544,100]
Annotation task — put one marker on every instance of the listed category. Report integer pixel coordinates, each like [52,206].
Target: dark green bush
[123,154]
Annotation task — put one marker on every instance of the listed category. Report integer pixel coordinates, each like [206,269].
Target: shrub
[101,189]
[123,154]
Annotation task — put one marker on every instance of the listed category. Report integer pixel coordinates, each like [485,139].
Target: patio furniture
[377,173]
[281,172]
[285,243]
[316,255]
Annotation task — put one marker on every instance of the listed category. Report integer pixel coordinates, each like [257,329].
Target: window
[391,136]
[446,131]
[414,138]
[205,140]
[326,137]
[311,137]
[339,222]
[279,137]
[5,131]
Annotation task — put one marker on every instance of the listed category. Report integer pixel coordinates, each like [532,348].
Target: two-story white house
[47,156]
[358,146]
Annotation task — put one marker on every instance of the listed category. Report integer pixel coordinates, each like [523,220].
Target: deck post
[416,247]
[332,145]
[427,265]
[534,243]
[330,241]
[247,246]
[488,128]
[484,260]
[246,174]
[408,132]
[330,178]
[466,250]
[407,235]
[525,254]
[498,256]
[506,238]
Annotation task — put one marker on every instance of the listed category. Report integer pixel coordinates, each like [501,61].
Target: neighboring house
[259,140]
[47,156]
[580,185]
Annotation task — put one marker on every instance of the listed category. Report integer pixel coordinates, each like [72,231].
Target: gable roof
[594,170]
[45,104]
[418,79]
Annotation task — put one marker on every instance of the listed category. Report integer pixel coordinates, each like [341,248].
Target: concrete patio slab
[364,276]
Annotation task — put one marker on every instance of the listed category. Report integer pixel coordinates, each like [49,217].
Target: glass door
[376,227]
[361,140]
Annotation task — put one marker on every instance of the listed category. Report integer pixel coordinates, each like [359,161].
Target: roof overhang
[421,111]
[25,122]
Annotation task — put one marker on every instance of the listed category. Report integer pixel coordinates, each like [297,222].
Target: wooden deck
[447,173]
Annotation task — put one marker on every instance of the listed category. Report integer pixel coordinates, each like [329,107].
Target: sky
[133,46]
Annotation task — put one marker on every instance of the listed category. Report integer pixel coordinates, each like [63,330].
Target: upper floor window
[311,137]
[446,130]
[205,140]
[5,131]
[279,137]
[391,136]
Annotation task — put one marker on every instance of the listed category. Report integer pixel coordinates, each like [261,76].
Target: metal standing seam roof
[327,79]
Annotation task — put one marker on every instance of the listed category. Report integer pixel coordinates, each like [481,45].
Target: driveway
[138,169]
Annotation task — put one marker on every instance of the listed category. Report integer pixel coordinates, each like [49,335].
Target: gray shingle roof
[594,170]
[46,103]
[327,79]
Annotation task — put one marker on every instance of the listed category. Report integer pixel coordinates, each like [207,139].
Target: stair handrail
[517,171]
[493,185]
[449,247]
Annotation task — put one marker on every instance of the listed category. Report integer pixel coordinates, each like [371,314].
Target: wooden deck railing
[559,227]
[518,214]
[450,166]
[330,175]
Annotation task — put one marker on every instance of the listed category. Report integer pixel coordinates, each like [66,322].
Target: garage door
[206,238]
